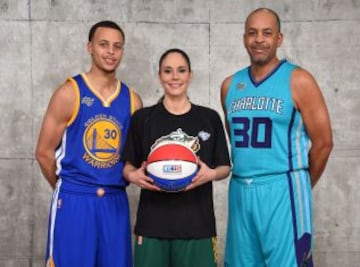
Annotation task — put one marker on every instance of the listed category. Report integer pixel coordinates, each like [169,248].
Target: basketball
[172,166]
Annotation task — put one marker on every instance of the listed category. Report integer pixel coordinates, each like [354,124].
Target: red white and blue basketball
[172,166]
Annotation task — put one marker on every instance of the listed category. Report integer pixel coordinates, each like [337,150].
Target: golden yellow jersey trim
[50,262]
[105,102]
[132,100]
[77,102]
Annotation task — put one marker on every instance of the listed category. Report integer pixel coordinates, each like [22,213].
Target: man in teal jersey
[281,139]
[79,152]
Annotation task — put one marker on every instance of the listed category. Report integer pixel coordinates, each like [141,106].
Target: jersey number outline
[110,134]
[253,140]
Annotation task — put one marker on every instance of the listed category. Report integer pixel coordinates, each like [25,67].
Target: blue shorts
[270,221]
[89,226]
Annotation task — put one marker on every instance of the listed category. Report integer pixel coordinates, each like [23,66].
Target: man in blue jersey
[281,138]
[79,152]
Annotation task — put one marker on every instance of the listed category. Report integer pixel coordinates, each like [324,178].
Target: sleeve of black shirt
[221,150]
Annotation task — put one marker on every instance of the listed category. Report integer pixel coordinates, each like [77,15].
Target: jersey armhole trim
[230,90]
[77,101]
[132,101]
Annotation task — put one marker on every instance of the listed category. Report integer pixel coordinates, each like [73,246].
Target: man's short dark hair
[105,24]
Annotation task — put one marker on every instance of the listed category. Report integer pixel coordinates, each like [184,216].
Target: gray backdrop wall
[43,41]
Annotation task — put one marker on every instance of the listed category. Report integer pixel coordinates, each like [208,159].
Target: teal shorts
[175,252]
[270,221]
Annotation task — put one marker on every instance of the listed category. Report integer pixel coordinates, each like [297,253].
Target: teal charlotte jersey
[266,131]
[270,148]
[93,140]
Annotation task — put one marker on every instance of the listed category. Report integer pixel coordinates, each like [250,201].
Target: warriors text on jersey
[92,143]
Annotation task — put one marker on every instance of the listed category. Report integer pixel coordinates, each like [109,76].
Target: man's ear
[89,47]
[280,39]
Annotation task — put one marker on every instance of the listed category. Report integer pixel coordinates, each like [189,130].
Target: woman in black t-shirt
[176,229]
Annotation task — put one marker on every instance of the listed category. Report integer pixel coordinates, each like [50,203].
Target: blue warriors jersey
[266,131]
[93,140]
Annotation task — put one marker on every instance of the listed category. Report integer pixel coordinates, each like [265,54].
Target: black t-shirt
[183,214]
